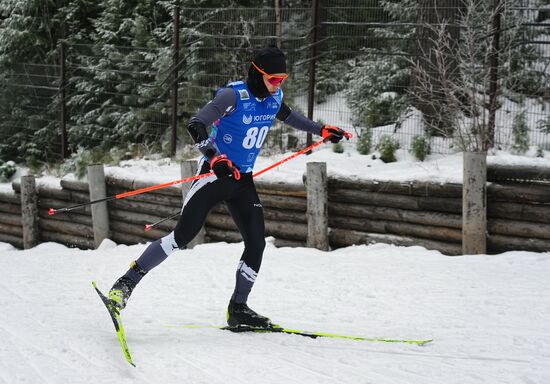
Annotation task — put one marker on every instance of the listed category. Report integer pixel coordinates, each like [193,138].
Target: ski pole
[301,152]
[148,227]
[348,135]
[52,211]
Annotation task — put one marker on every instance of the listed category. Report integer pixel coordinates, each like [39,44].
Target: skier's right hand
[334,134]
[223,167]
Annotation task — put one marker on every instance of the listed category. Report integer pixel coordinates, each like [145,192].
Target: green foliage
[520,69]
[332,77]
[30,33]
[387,147]
[338,148]
[381,74]
[383,110]
[520,133]
[364,142]
[374,96]
[79,161]
[540,152]
[7,170]
[420,147]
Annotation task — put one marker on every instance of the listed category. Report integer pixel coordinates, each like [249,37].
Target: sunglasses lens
[276,80]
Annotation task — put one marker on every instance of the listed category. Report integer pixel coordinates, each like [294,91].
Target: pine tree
[30,33]
[117,98]
[381,74]
[520,133]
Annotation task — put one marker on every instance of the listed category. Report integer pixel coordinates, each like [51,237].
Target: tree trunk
[433,105]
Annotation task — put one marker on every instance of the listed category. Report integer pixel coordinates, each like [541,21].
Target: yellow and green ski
[114,312]
[313,335]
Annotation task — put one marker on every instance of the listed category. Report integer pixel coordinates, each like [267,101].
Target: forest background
[84,81]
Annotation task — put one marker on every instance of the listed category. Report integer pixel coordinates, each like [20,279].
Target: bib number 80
[255,137]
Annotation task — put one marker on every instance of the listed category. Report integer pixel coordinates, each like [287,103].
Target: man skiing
[240,115]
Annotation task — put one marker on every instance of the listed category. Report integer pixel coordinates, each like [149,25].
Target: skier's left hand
[224,167]
[334,134]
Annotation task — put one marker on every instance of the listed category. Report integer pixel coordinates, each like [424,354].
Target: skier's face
[271,85]
[272,81]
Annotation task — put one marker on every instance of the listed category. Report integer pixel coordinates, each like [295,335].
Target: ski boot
[123,287]
[121,291]
[241,316]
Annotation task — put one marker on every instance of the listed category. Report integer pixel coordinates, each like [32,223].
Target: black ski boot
[123,287]
[239,315]
[121,291]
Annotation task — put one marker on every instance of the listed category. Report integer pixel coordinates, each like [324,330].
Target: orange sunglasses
[272,79]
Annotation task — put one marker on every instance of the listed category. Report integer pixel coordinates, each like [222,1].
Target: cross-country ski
[115,317]
[299,332]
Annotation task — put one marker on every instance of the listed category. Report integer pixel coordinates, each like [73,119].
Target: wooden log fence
[11,227]
[359,212]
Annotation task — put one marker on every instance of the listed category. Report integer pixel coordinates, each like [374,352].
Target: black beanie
[270,60]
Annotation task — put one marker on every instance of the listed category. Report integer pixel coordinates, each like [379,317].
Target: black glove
[334,134]
[224,167]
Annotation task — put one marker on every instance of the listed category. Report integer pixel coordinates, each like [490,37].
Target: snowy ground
[488,316]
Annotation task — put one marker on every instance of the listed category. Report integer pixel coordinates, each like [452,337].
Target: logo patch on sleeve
[243,93]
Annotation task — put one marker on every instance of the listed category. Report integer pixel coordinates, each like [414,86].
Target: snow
[488,316]
[437,168]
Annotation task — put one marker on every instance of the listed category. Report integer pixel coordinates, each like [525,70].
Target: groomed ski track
[488,316]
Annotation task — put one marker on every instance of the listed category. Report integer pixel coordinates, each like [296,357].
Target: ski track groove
[299,348]
[203,370]
[442,356]
[288,379]
[3,373]
[13,293]
[316,373]
[234,339]
[28,362]
[32,346]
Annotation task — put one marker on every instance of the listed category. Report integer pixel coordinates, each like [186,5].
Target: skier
[241,115]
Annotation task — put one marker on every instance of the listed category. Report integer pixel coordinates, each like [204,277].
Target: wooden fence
[359,212]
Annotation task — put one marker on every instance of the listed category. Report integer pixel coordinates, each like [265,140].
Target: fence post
[175,72]
[63,101]
[29,211]
[100,214]
[489,141]
[189,168]
[312,62]
[317,206]
[474,203]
